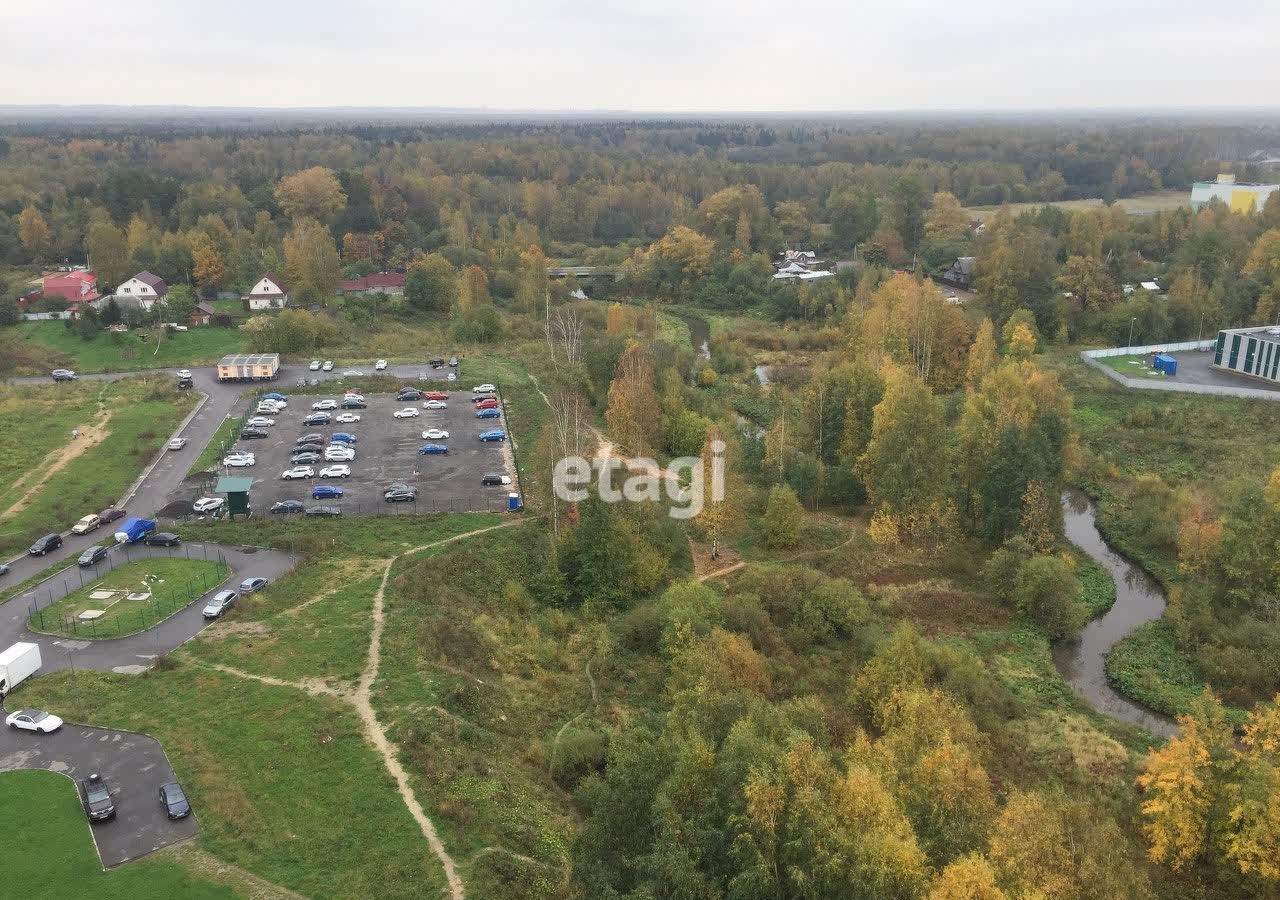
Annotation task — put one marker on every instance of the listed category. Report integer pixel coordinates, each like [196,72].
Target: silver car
[221,602]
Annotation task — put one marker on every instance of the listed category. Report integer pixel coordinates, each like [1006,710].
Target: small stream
[699,334]
[1138,600]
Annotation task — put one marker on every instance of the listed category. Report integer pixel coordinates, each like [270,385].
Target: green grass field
[56,491]
[137,349]
[221,441]
[1138,366]
[1138,205]
[50,855]
[172,583]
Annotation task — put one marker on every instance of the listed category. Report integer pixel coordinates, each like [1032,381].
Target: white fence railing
[1150,348]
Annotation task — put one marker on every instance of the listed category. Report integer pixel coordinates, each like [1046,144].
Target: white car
[484,389]
[380,365]
[347,418]
[239,460]
[409,412]
[260,422]
[323,405]
[207,504]
[298,472]
[184,373]
[435,404]
[34,720]
[269,407]
[352,373]
[435,434]
[337,453]
[177,443]
[339,471]
[453,376]
[315,365]
[328,365]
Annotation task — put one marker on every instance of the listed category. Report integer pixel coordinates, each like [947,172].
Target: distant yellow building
[1240,197]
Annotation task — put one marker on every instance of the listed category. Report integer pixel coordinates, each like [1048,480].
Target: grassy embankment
[49,481]
[171,583]
[49,345]
[51,855]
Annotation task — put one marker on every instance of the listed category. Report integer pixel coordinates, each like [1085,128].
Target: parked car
[174,801]
[162,539]
[326,492]
[453,362]
[63,375]
[253,434]
[276,396]
[487,403]
[320,418]
[492,478]
[323,511]
[343,437]
[305,458]
[354,403]
[484,389]
[326,404]
[184,373]
[4,569]
[339,453]
[380,365]
[328,365]
[270,407]
[489,413]
[286,507]
[298,472]
[184,383]
[86,524]
[36,720]
[435,404]
[452,376]
[339,471]
[436,395]
[496,435]
[408,394]
[111,513]
[315,365]
[221,602]
[208,504]
[400,495]
[437,362]
[251,585]
[177,443]
[432,449]
[96,796]
[92,556]
[435,434]
[313,438]
[398,485]
[46,544]
[409,412]
[239,460]
[313,447]
[347,418]
[260,422]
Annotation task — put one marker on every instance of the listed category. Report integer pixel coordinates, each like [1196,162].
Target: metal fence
[1178,387]
[139,615]
[376,506]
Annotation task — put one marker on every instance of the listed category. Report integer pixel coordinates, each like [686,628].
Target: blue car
[274,396]
[488,414]
[429,449]
[496,435]
[342,437]
[325,492]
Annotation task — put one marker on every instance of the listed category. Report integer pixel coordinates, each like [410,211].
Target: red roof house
[375,283]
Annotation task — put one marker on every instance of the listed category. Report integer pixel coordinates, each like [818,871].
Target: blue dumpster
[1166,364]
[513,502]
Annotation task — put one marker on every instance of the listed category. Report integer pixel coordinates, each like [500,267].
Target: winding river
[1138,600]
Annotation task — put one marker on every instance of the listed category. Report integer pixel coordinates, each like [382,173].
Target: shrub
[1048,592]
[783,517]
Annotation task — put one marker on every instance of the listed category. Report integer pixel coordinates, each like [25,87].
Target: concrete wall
[1150,348]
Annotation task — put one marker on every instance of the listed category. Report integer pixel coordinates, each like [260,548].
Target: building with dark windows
[1249,351]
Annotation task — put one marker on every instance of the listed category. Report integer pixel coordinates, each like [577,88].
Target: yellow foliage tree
[982,355]
[967,878]
[312,193]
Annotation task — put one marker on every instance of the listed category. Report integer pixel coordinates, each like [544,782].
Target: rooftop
[250,359]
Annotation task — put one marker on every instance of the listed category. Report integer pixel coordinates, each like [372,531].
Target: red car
[435,395]
[111,514]
[488,403]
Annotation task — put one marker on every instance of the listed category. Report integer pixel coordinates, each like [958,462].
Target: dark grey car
[174,801]
[92,556]
[98,804]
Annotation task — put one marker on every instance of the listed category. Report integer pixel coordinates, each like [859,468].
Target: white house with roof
[145,289]
[270,292]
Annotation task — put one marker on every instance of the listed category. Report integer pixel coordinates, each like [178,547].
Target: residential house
[390,283]
[961,272]
[269,293]
[202,314]
[144,288]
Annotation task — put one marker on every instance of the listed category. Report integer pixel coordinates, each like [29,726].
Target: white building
[145,289]
[1240,197]
[269,293]
[1249,351]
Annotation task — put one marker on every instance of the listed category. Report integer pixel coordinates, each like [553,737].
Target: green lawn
[143,413]
[137,349]
[50,854]
[1136,366]
[172,583]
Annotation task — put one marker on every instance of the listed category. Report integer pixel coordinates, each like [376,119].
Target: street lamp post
[1131,321]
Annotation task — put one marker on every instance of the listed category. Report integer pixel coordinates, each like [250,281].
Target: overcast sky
[644,55]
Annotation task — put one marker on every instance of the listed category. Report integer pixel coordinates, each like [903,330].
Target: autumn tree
[1264,257]
[431,284]
[313,193]
[946,220]
[207,267]
[723,513]
[34,233]
[473,290]
[910,323]
[108,252]
[311,260]
[982,355]
[633,412]
[532,282]
[1087,280]
[783,518]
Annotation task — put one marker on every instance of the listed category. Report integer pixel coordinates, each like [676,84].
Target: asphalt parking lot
[386,452]
[134,767]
